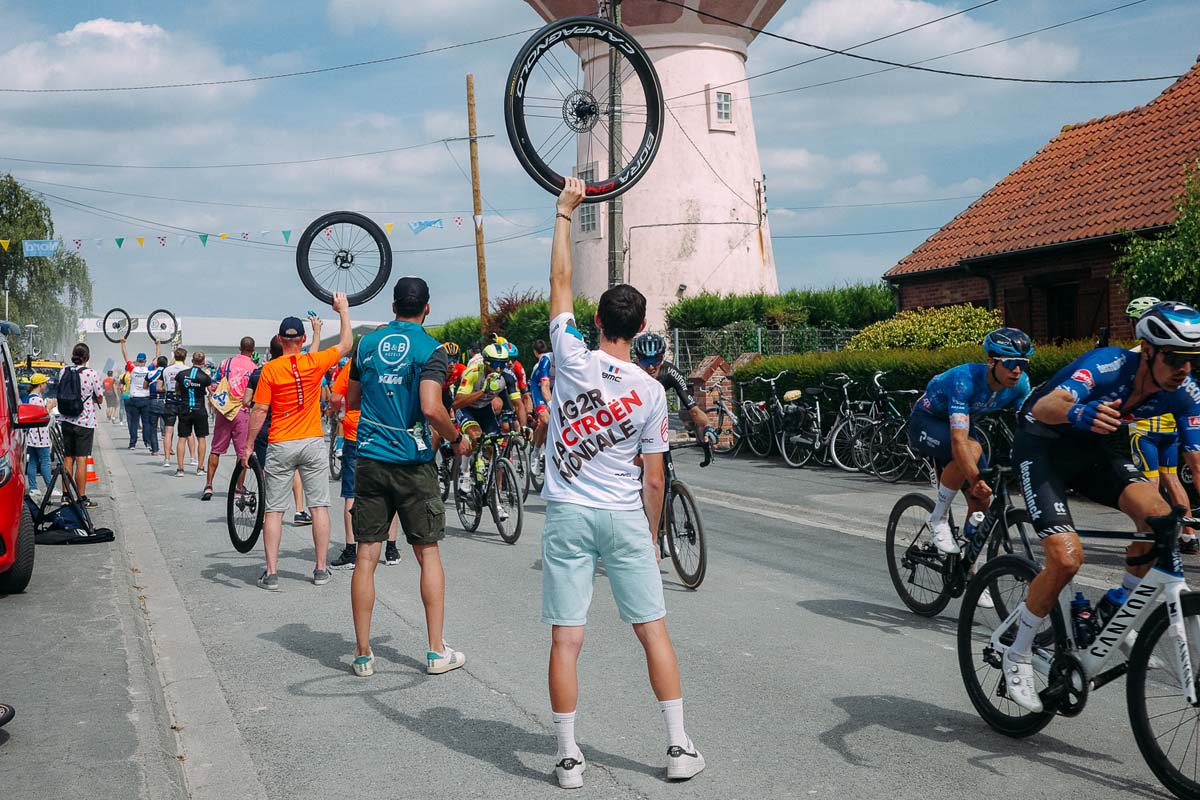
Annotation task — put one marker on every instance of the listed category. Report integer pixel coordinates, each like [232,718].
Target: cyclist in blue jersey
[541,386]
[1059,446]
[942,424]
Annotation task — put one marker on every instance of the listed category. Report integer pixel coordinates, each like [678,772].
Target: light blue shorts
[574,537]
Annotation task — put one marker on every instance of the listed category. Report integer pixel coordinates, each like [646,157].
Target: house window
[588,221]
[724,107]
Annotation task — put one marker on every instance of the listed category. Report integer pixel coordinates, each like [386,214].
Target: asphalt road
[804,675]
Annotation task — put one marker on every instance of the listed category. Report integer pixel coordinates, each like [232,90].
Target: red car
[16,524]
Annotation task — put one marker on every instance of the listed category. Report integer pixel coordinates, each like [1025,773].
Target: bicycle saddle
[792,395]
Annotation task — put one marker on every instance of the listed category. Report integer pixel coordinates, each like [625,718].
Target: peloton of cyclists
[1059,446]
[478,387]
[942,424]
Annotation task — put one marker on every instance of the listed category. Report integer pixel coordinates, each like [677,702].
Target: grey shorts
[311,457]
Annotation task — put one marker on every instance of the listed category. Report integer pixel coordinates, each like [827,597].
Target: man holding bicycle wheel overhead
[1059,446]
[604,409]
[942,424]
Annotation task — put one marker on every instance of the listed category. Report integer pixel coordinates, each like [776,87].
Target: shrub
[907,369]
[504,305]
[929,328]
[849,306]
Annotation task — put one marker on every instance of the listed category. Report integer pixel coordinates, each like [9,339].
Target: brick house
[1040,244]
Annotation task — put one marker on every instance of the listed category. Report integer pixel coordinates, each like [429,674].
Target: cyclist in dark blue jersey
[1059,446]
[541,385]
[942,424]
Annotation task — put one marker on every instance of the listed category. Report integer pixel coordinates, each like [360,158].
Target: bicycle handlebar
[760,378]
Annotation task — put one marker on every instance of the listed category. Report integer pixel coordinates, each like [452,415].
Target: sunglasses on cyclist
[649,362]
[1176,359]
[1013,363]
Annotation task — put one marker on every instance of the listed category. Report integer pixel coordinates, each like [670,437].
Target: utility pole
[616,212]
[477,197]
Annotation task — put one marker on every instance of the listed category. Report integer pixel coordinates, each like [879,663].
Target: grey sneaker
[321,577]
[270,582]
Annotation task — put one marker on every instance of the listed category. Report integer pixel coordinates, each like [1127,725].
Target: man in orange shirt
[337,404]
[290,388]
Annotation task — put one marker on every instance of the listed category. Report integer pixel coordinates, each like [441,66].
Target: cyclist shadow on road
[885,619]
[498,743]
[947,727]
[334,651]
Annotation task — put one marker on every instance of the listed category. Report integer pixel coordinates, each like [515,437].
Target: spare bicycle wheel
[116,325]
[245,505]
[162,326]
[560,111]
[344,252]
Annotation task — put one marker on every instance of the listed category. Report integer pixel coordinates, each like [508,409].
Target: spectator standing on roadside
[138,409]
[37,440]
[126,399]
[158,408]
[231,416]
[302,517]
[78,430]
[396,381]
[593,507]
[171,404]
[289,386]
[111,407]
[192,387]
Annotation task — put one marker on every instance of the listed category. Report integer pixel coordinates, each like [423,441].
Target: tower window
[587,212]
[724,107]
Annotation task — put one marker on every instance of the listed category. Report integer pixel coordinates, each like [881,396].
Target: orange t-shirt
[291,386]
[341,384]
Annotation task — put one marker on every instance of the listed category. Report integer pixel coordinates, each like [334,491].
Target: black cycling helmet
[649,346]
[1008,343]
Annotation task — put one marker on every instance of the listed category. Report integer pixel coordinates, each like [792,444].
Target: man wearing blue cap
[139,398]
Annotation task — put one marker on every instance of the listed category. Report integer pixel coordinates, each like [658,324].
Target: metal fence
[689,348]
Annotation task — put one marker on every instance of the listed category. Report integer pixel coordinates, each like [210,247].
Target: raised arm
[345,333]
[124,352]
[561,299]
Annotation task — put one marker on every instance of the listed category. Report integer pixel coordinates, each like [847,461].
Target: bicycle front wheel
[916,567]
[335,457]
[843,443]
[343,252]
[507,510]
[758,430]
[466,503]
[728,434]
[116,325]
[798,437]
[560,109]
[537,468]
[162,326]
[245,505]
[685,536]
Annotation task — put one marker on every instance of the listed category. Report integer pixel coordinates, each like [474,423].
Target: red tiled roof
[1094,179]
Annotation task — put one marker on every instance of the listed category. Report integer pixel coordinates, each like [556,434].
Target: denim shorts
[574,538]
[349,463]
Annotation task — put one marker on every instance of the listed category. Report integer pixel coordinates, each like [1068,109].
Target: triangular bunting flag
[120,240]
[458,222]
[99,243]
[78,243]
[286,236]
[223,236]
[204,240]
[388,226]
[4,243]
[162,241]
[182,240]
[424,224]
[141,240]
[245,236]
[264,234]
[478,221]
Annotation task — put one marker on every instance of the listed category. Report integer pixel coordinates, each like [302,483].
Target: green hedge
[532,321]
[849,306]
[907,369]
[929,328]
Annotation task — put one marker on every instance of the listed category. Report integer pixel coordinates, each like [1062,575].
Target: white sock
[1130,581]
[942,508]
[1027,626]
[672,711]
[1187,535]
[465,463]
[564,729]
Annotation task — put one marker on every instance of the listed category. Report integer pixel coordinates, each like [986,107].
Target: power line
[914,66]
[857,233]
[491,207]
[259,78]
[704,158]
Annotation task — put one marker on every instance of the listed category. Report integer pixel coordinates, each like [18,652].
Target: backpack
[70,392]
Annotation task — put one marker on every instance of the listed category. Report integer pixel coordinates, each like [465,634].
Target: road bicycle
[728,425]
[516,449]
[680,529]
[765,422]
[882,408]
[1074,655]
[245,505]
[926,578]
[890,457]
[807,438]
[496,487]
[560,108]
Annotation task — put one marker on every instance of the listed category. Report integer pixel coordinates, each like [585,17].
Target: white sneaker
[682,764]
[464,483]
[193,462]
[985,600]
[501,513]
[569,772]
[439,663]
[943,537]
[166,462]
[1020,684]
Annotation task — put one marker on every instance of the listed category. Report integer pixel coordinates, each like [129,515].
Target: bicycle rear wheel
[162,326]
[728,433]
[467,503]
[1165,725]
[888,448]
[842,443]
[245,505]
[343,252]
[798,437]
[685,536]
[335,456]
[916,567]
[506,494]
[537,468]
[1007,579]
[559,108]
[758,430]
[116,325]
[447,473]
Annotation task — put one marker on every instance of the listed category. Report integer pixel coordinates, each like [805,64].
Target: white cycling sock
[1027,626]
[1187,536]
[672,711]
[1130,581]
[942,508]
[564,729]
[465,463]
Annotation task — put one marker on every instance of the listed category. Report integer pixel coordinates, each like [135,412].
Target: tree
[52,292]
[1167,265]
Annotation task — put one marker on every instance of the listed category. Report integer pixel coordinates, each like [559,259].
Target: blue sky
[892,138]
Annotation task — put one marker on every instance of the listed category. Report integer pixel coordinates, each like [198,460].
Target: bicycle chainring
[1067,692]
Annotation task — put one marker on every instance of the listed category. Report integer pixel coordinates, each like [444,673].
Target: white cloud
[801,169]
[433,16]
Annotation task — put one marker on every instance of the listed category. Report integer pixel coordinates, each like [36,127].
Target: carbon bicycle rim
[559,109]
[335,458]
[916,567]
[116,325]
[343,252]
[685,536]
[162,325]
[245,506]
[506,494]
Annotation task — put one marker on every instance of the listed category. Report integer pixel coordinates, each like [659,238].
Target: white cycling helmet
[1170,324]
[1139,306]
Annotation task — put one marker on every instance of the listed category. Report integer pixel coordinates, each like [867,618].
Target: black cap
[291,328]
[411,293]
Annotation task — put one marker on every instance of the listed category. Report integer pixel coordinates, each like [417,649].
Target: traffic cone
[92,477]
